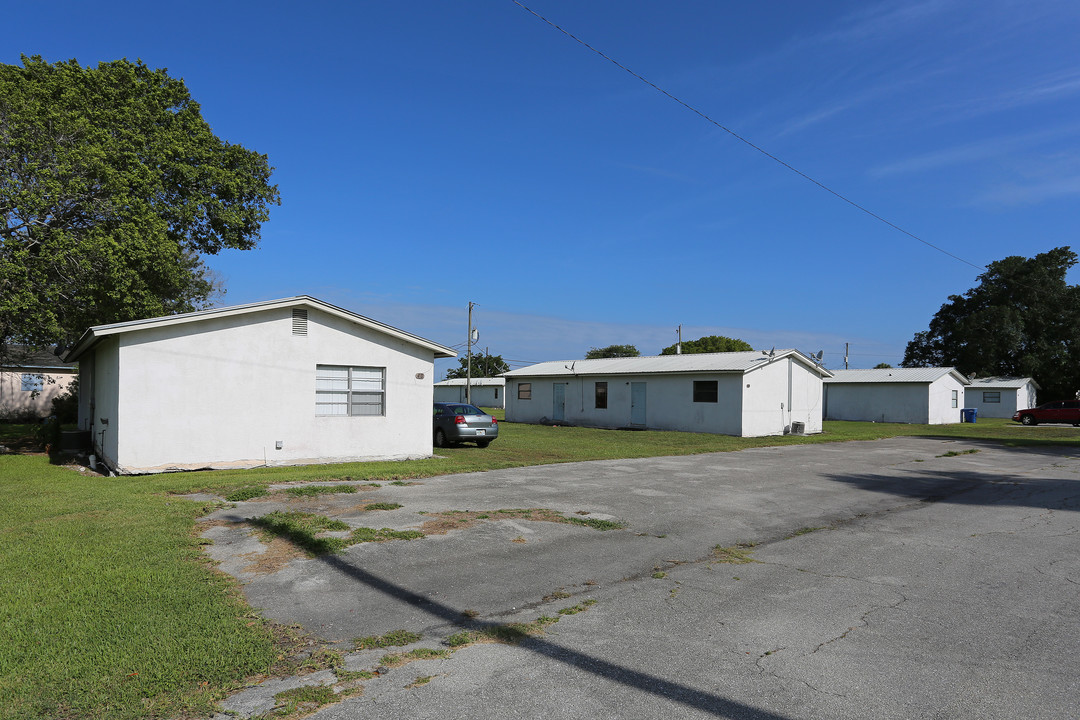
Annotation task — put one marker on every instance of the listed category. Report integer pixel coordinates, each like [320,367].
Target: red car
[1059,411]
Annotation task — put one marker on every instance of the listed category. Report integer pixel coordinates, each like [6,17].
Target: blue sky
[430,154]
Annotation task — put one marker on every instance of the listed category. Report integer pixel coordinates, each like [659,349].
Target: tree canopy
[482,366]
[1022,320]
[612,351]
[112,190]
[709,344]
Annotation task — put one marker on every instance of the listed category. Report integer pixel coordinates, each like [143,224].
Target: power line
[745,141]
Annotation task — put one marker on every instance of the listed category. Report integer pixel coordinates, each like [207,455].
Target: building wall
[942,410]
[918,403]
[99,394]
[777,394]
[1012,399]
[16,403]
[224,391]
[487,396]
[670,402]
[878,402]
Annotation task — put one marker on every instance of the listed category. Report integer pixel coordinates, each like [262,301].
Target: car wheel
[483,443]
[1028,420]
[440,439]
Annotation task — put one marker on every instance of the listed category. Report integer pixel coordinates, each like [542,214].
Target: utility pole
[845,355]
[678,345]
[468,360]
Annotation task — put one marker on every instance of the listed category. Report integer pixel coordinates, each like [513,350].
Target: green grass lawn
[107,609]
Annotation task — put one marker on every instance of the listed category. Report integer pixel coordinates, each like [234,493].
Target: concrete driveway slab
[890,580]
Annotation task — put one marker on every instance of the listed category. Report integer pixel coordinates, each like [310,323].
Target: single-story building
[29,380]
[747,394]
[925,396]
[486,392]
[281,382]
[1001,397]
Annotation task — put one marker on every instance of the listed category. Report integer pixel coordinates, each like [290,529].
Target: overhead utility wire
[741,139]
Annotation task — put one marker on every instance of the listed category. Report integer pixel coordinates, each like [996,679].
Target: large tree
[483,366]
[1022,320]
[112,191]
[612,351]
[709,344]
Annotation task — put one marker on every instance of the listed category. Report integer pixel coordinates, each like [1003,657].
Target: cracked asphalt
[888,582]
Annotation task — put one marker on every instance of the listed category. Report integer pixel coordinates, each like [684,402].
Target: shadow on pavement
[707,702]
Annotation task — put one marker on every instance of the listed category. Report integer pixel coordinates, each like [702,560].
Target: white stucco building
[925,396]
[486,392]
[747,394]
[1001,397]
[282,382]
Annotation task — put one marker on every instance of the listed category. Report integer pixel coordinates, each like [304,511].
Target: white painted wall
[918,403]
[878,402]
[943,409]
[1012,399]
[740,411]
[221,392]
[486,396]
[777,394]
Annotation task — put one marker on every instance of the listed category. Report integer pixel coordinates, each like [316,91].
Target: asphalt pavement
[903,578]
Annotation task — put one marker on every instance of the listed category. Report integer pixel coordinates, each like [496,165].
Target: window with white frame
[343,390]
[955,399]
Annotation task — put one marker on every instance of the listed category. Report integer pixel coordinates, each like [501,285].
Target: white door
[637,403]
[558,401]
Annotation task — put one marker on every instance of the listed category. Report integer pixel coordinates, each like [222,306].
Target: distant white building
[486,392]
[1001,397]
[281,382]
[925,396]
[29,380]
[747,394]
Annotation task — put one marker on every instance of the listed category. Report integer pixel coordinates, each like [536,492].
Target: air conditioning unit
[798,428]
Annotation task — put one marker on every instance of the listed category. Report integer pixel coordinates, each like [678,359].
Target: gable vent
[299,322]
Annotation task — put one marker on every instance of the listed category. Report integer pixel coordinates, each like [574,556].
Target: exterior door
[637,403]
[558,401]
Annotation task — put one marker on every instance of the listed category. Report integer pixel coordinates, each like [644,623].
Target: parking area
[900,578]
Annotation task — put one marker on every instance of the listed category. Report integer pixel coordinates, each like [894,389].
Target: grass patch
[422,680]
[311,490]
[404,658]
[366,534]
[383,506]
[659,575]
[957,453]
[595,523]
[804,531]
[580,607]
[735,555]
[302,529]
[247,493]
[447,520]
[395,638]
[510,633]
[299,702]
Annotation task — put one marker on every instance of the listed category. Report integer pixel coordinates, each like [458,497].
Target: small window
[524,391]
[341,390]
[601,395]
[991,397]
[32,382]
[706,391]
[955,402]
[496,393]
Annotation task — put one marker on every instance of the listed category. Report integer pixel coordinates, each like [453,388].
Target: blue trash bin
[969,415]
